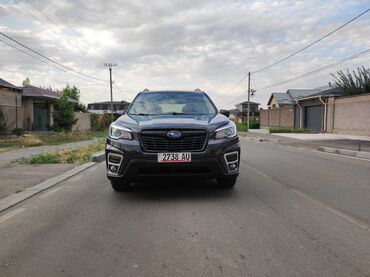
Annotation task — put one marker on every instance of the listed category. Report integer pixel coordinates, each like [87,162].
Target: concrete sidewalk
[322,136]
[313,141]
[17,177]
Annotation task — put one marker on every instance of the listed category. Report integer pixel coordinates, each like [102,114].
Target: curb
[15,199]
[345,152]
[260,139]
[99,156]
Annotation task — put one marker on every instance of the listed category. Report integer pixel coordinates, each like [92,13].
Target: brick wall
[282,117]
[349,115]
[11,106]
[83,122]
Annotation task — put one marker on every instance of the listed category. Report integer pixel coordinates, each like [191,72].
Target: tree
[353,83]
[64,114]
[26,82]
[74,93]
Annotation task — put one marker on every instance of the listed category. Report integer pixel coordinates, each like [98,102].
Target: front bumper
[132,163]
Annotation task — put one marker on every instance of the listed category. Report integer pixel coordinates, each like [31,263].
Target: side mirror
[225,113]
[120,112]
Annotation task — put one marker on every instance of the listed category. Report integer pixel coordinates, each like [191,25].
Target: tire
[227,182]
[119,184]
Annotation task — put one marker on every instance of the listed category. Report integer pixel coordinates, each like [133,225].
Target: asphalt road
[293,213]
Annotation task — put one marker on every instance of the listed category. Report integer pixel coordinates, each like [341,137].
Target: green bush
[254,124]
[104,121]
[289,130]
[80,155]
[44,158]
[94,118]
[64,114]
[3,127]
[241,127]
[18,132]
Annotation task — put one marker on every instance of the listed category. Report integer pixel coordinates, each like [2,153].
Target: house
[299,108]
[31,108]
[240,114]
[105,107]
[38,107]
[10,105]
[313,110]
[279,100]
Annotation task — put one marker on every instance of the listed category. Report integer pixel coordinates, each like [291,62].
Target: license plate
[174,157]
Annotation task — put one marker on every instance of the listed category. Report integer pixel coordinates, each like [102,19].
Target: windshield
[173,103]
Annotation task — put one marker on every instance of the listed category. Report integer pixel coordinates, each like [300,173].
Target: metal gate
[313,118]
[40,117]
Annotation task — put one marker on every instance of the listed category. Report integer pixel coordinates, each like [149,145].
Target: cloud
[178,44]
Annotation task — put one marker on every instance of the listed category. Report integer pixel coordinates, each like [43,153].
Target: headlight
[227,131]
[119,132]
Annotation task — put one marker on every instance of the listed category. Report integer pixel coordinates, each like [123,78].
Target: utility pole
[110,65]
[249,98]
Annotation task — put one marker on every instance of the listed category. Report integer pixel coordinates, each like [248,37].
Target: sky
[180,45]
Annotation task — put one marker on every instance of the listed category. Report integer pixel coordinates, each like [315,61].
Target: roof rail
[145,89]
[198,90]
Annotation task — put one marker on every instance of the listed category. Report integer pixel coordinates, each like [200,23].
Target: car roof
[172,91]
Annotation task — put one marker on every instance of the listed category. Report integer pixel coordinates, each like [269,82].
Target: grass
[241,127]
[289,130]
[80,156]
[31,140]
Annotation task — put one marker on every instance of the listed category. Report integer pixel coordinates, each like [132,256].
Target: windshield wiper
[175,113]
[145,114]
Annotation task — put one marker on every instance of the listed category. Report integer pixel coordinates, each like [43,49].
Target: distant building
[240,114]
[11,105]
[289,98]
[38,107]
[30,108]
[105,107]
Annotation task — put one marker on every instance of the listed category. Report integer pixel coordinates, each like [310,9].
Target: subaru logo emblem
[174,134]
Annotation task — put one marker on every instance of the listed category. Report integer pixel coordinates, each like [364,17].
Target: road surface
[292,213]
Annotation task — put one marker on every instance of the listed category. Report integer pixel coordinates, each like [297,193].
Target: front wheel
[119,184]
[227,182]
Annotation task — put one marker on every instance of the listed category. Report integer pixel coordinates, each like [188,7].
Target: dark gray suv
[172,134]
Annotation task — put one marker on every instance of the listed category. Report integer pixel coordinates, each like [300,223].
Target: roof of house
[32,91]
[325,93]
[108,102]
[250,102]
[300,93]
[234,111]
[281,98]
[6,84]
[331,91]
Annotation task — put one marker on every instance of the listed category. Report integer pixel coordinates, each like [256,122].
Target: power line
[124,94]
[98,57]
[299,51]
[354,56]
[40,60]
[49,59]
[61,31]
[313,43]
[361,53]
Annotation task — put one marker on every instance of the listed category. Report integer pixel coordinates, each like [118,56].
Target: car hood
[139,122]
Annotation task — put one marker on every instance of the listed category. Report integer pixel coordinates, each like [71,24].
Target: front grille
[157,141]
[175,171]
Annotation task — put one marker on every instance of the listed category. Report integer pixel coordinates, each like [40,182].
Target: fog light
[113,168]
[232,166]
